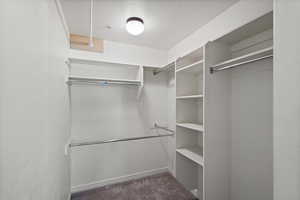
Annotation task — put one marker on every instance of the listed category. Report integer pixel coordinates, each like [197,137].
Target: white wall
[58,115]
[34,103]
[251,174]
[286,101]
[109,112]
[125,53]
[237,15]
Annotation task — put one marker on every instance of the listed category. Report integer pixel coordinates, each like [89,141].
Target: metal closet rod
[166,67]
[216,69]
[101,82]
[77,144]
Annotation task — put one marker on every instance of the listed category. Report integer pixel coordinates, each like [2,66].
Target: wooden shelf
[245,58]
[190,97]
[101,81]
[74,60]
[192,126]
[193,153]
[195,67]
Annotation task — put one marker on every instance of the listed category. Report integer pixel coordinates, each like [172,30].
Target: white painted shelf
[192,126]
[245,58]
[74,60]
[194,153]
[195,67]
[98,81]
[190,97]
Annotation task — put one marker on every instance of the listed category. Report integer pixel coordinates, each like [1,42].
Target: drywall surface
[34,104]
[58,106]
[124,53]
[251,175]
[237,15]
[111,112]
[286,100]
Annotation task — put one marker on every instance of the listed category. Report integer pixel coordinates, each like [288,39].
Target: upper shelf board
[101,81]
[195,67]
[98,62]
[245,58]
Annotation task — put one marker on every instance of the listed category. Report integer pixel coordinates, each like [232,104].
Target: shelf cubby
[191,126]
[248,43]
[190,60]
[194,153]
[102,73]
[196,67]
[189,111]
[189,84]
[190,164]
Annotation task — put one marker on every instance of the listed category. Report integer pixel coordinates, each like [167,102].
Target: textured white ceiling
[167,22]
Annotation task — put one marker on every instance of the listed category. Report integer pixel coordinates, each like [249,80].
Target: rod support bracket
[67,147]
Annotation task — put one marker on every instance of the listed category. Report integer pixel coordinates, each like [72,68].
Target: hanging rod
[77,144]
[100,81]
[164,68]
[156,126]
[216,69]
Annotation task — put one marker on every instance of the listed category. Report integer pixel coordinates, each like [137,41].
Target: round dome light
[135,25]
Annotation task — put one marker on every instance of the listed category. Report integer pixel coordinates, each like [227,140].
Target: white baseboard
[109,181]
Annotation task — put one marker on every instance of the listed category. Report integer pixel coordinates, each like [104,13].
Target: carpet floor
[157,187]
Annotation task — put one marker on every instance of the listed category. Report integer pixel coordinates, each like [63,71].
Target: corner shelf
[194,153]
[192,68]
[199,96]
[192,126]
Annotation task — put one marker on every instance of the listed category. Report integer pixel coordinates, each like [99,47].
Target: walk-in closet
[149,100]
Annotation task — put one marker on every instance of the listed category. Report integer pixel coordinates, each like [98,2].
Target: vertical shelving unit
[189,75]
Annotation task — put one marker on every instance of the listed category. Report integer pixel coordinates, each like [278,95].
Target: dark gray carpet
[157,187]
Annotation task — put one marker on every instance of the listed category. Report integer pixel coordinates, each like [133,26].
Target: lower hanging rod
[77,144]
[215,69]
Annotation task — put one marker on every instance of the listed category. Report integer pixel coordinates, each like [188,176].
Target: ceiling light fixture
[135,25]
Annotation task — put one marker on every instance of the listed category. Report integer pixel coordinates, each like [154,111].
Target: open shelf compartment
[189,85]
[194,153]
[190,160]
[196,67]
[189,112]
[190,61]
[103,73]
[191,126]
[249,43]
